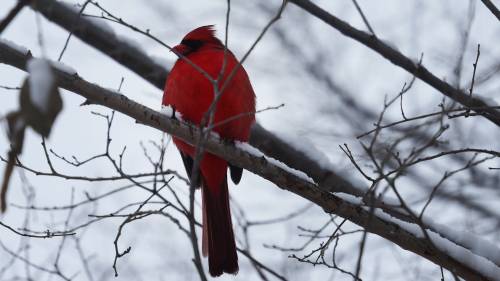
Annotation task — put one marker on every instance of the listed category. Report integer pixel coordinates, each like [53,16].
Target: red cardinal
[190,93]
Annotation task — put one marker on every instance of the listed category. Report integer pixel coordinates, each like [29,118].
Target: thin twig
[365,20]
[48,233]
[474,71]
[76,20]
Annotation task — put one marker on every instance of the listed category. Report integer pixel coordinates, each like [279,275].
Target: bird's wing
[236,173]
[188,164]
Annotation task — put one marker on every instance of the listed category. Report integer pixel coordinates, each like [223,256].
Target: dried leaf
[40,118]
[15,132]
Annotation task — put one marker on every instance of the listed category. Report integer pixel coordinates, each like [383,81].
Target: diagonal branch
[140,63]
[494,10]
[103,39]
[393,55]
[12,14]
[407,235]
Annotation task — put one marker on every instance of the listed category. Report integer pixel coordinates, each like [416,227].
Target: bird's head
[198,38]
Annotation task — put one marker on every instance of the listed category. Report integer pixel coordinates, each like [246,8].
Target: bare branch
[479,106]
[12,14]
[494,10]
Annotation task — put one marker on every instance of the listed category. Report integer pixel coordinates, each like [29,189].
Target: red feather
[191,93]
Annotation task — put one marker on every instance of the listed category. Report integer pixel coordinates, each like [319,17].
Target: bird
[189,92]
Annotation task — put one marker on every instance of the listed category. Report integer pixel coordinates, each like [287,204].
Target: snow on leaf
[41,82]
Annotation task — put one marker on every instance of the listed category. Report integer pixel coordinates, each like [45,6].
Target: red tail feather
[218,236]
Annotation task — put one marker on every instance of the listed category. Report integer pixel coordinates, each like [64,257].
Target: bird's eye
[192,44]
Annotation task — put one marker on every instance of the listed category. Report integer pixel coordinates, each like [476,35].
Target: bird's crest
[203,33]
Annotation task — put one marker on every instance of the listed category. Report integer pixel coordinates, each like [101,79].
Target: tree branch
[379,223]
[105,40]
[494,10]
[397,58]
[12,14]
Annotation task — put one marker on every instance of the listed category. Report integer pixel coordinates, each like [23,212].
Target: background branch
[397,58]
